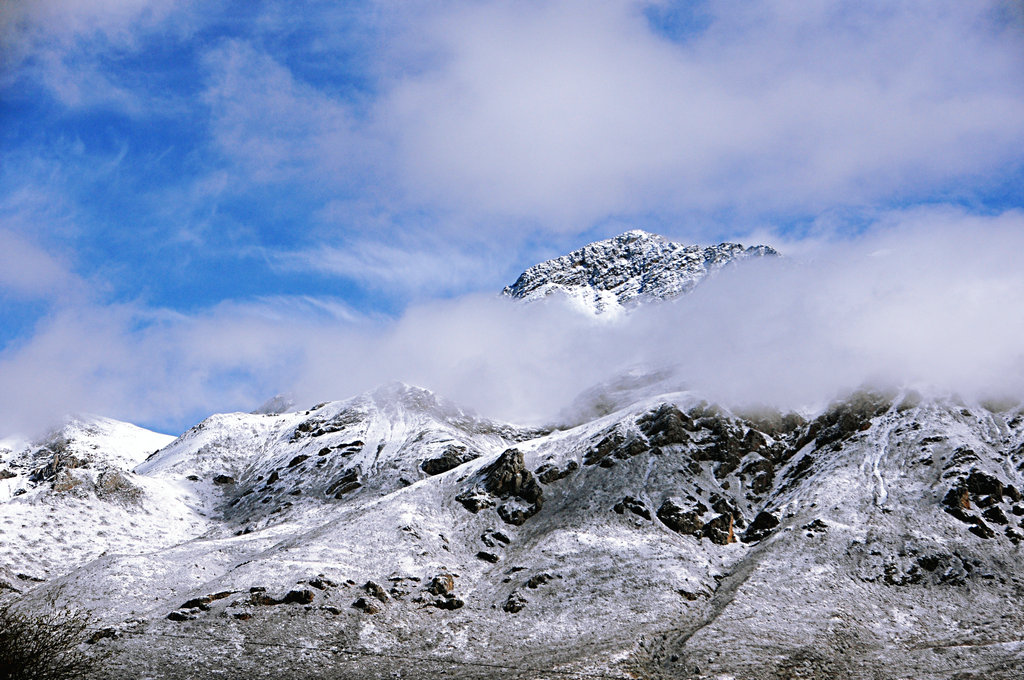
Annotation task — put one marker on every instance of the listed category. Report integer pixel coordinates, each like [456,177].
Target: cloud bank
[928,298]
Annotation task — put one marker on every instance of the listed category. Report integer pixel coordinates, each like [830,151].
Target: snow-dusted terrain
[609,276]
[396,534]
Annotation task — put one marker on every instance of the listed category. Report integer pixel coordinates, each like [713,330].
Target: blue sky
[181,181]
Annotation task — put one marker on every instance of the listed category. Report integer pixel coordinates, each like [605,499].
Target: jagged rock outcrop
[627,270]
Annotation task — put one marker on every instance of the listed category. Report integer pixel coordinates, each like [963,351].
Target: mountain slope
[653,535]
[629,269]
[665,537]
[70,496]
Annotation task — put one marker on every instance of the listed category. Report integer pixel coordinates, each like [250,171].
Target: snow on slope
[653,535]
[71,496]
[608,276]
[614,544]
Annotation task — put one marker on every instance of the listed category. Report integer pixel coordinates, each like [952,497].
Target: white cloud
[28,271]
[569,111]
[926,297]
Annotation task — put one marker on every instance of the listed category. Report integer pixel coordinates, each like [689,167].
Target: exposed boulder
[321,582]
[549,473]
[453,456]
[508,476]
[442,584]
[762,526]
[112,485]
[516,512]
[537,580]
[815,527]
[223,480]
[450,602]
[514,604]
[995,515]
[682,518]
[492,538]
[719,529]
[304,596]
[366,605]
[634,505]
[474,500]
[376,590]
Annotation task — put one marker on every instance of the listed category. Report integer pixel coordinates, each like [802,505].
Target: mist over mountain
[736,464]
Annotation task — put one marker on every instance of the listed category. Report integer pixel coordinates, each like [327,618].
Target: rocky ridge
[621,272]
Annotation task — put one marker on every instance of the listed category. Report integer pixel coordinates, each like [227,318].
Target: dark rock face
[761,473]
[549,473]
[508,476]
[634,505]
[453,456]
[223,479]
[61,462]
[508,479]
[537,580]
[366,605]
[298,597]
[681,518]
[376,590]
[442,584]
[514,604]
[615,444]
[982,484]
[297,459]
[348,482]
[719,530]
[957,498]
[848,417]
[762,526]
[666,425]
[474,501]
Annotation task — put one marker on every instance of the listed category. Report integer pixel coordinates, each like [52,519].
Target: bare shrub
[45,645]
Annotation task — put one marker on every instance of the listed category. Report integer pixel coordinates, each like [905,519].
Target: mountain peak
[625,270]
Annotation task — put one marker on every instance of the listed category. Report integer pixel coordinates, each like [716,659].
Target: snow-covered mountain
[71,496]
[396,534]
[629,269]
